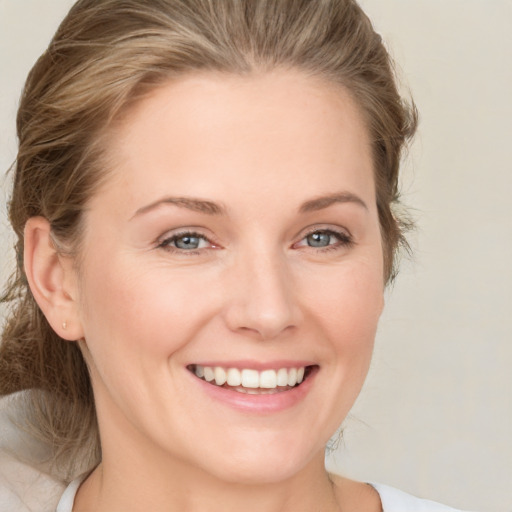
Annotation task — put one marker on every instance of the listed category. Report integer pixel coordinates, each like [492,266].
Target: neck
[126,487]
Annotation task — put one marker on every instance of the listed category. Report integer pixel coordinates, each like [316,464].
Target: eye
[319,239]
[185,241]
[326,239]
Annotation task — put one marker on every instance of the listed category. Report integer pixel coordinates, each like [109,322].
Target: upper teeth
[249,378]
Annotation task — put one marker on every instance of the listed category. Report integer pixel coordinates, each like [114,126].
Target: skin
[263,149]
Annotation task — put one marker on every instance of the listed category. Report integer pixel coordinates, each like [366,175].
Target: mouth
[251,381]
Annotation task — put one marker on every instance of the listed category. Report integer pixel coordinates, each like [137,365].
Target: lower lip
[260,404]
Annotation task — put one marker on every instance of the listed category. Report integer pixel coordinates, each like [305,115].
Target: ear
[52,280]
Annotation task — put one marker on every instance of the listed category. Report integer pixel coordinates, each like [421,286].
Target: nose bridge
[261,299]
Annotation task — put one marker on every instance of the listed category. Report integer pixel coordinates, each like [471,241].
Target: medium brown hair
[104,56]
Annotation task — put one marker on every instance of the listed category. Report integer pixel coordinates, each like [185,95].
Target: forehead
[207,130]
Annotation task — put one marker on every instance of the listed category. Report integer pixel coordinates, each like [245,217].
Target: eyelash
[344,241]
[166,243]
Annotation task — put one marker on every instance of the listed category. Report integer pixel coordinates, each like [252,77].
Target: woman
[203,204]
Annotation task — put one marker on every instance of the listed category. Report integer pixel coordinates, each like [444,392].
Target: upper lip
[256,365]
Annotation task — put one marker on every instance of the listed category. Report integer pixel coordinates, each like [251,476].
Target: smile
[250,381]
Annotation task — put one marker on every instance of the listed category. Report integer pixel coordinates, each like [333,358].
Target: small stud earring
[64,325]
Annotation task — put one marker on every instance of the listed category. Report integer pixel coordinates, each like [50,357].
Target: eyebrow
[211,208]
[322,202]
[196,205]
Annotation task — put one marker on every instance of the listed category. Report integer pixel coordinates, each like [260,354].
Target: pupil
[187,242]
[319,239]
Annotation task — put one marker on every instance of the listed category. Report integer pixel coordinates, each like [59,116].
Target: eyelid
[164,241]
[345,238]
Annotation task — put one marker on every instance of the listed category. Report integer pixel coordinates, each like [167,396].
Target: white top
[392,500]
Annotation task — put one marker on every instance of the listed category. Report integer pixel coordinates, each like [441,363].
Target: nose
[261,299]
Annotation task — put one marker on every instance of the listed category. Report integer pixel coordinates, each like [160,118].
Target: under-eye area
[250,381]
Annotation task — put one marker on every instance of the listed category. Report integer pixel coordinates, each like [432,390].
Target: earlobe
[51,276]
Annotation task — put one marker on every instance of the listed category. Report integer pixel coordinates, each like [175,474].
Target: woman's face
[238,234]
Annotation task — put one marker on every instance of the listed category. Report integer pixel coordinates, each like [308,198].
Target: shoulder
[24,487]
[394,500]
[382,498]
[356,496]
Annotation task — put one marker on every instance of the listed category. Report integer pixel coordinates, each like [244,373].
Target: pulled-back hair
[105,56]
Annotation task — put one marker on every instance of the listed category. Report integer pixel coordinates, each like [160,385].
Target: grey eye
[187,242]
[319,239]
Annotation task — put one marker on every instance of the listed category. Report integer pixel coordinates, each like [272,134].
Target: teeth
[282,377]
[292,376]
[209,373]
[268,379]
[234,377]
[220,376]
[250,379]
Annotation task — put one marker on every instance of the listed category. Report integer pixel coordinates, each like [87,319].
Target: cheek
[141,311]
[352,294]
[349,305]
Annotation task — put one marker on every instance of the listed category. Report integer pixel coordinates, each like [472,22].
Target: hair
[104,57]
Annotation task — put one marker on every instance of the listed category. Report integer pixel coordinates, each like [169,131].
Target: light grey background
[435,417]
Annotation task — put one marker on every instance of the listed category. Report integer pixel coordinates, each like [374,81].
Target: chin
[264,472]
[261,465]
